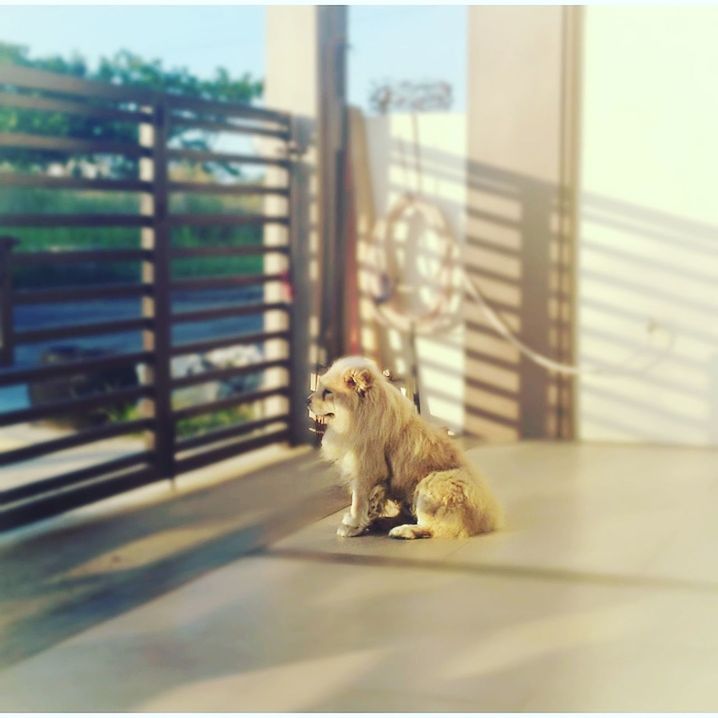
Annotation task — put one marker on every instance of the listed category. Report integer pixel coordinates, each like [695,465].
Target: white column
[294,45]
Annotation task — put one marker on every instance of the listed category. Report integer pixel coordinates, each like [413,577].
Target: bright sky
[387,42]
[426,42]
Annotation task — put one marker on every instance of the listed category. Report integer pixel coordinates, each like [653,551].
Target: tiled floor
[601,595]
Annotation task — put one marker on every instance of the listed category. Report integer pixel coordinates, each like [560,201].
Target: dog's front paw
[345,530]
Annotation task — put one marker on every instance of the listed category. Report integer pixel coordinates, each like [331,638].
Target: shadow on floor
[67,579]
[509,571]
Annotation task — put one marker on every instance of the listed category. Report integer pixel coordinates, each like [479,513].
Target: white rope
[439,317]
[559,367]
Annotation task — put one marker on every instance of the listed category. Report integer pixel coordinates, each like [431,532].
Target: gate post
[332,132]
[156,304]
[299,263]
[7,348]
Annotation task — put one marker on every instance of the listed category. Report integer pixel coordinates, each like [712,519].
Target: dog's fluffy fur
[393,461]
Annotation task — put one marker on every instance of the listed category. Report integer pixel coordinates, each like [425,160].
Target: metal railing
[165,454]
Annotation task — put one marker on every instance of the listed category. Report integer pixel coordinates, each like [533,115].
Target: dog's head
[344,389]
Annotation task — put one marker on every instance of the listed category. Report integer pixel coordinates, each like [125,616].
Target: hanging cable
[439,316]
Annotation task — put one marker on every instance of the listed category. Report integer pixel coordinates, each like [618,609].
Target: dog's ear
[359,380]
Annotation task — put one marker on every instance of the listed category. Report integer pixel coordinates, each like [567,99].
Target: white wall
[384,168]
[291,85]
[648,243]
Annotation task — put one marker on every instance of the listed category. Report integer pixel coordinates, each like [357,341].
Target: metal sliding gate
[204,246]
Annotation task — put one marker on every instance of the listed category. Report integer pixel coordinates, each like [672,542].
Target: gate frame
[47,497]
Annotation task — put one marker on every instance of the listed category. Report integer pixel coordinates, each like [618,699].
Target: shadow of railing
[641,265]
[122,558]
[644,288]
[519,258]
[508,242]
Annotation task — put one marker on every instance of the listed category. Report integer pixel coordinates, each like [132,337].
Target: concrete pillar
[305,77]
[521,180]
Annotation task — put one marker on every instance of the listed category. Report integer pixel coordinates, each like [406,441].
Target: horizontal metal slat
[199,460]
[40,296]
[193,124]
[209,156]
[54,504]
[24,140]
[52,371]
[228,189]
[64,481]
[67,84]
[77,256]
[38,181]
[202,315]
[46,104]
[89,436]
[207,345]
[230,432]
[70,406]
[30,336]
[247,249]
[75,220]
[181,285]
[203,220]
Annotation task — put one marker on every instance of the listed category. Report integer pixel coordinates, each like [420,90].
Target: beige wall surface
[516,241]
[649,224]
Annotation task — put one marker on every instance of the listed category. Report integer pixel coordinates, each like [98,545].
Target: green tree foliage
[126,69]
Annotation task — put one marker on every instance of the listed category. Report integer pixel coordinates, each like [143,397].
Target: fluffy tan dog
[392,460]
